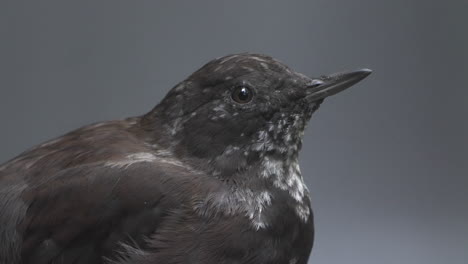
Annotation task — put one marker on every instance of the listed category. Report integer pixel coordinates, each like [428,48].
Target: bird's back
[54,198]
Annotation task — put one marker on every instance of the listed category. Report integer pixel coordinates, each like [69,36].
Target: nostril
[314,83]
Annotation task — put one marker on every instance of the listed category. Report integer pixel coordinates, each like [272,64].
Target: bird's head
[239,108]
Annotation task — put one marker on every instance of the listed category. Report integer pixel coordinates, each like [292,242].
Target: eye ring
[242,94]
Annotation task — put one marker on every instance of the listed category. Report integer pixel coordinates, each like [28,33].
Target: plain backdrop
[386,161]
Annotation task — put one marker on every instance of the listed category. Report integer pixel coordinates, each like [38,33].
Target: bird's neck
[252,174]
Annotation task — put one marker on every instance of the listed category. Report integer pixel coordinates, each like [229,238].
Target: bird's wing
[86,213]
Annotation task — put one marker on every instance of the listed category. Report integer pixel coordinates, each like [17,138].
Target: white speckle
[259,203]
[292,182]
[218,68]
[247,68]
[131,122]
[220,108]
[179,87]
[163,153]
[51,142]
[262,135]
[271,127]
[220,112]
[162,156]
[264,65]
[233,202]
[230,149]
[293,261]
[131,250]
[288,179]
[230,67]
[272,168]
[179,97]
[96,125]
[263,143]
[303,211]
[176,126]
[258,59]
[228,58]
[194,114]
[131,159]
[174,162]
[153,146]
[228,78]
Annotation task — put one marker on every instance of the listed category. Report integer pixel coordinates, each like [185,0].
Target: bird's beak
[325,86]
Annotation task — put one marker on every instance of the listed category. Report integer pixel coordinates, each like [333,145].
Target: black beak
[325,86]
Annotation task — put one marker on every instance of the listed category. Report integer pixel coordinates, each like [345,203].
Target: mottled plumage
[210,175]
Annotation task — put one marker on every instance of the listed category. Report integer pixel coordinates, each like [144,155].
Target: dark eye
[242,94]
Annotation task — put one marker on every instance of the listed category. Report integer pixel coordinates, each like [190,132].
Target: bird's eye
[242,94]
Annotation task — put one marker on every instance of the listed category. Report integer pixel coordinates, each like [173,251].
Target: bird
[209,175]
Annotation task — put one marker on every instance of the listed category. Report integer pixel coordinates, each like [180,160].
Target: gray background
[385,160]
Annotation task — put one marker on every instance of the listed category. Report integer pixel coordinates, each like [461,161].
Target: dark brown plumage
[208,176]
